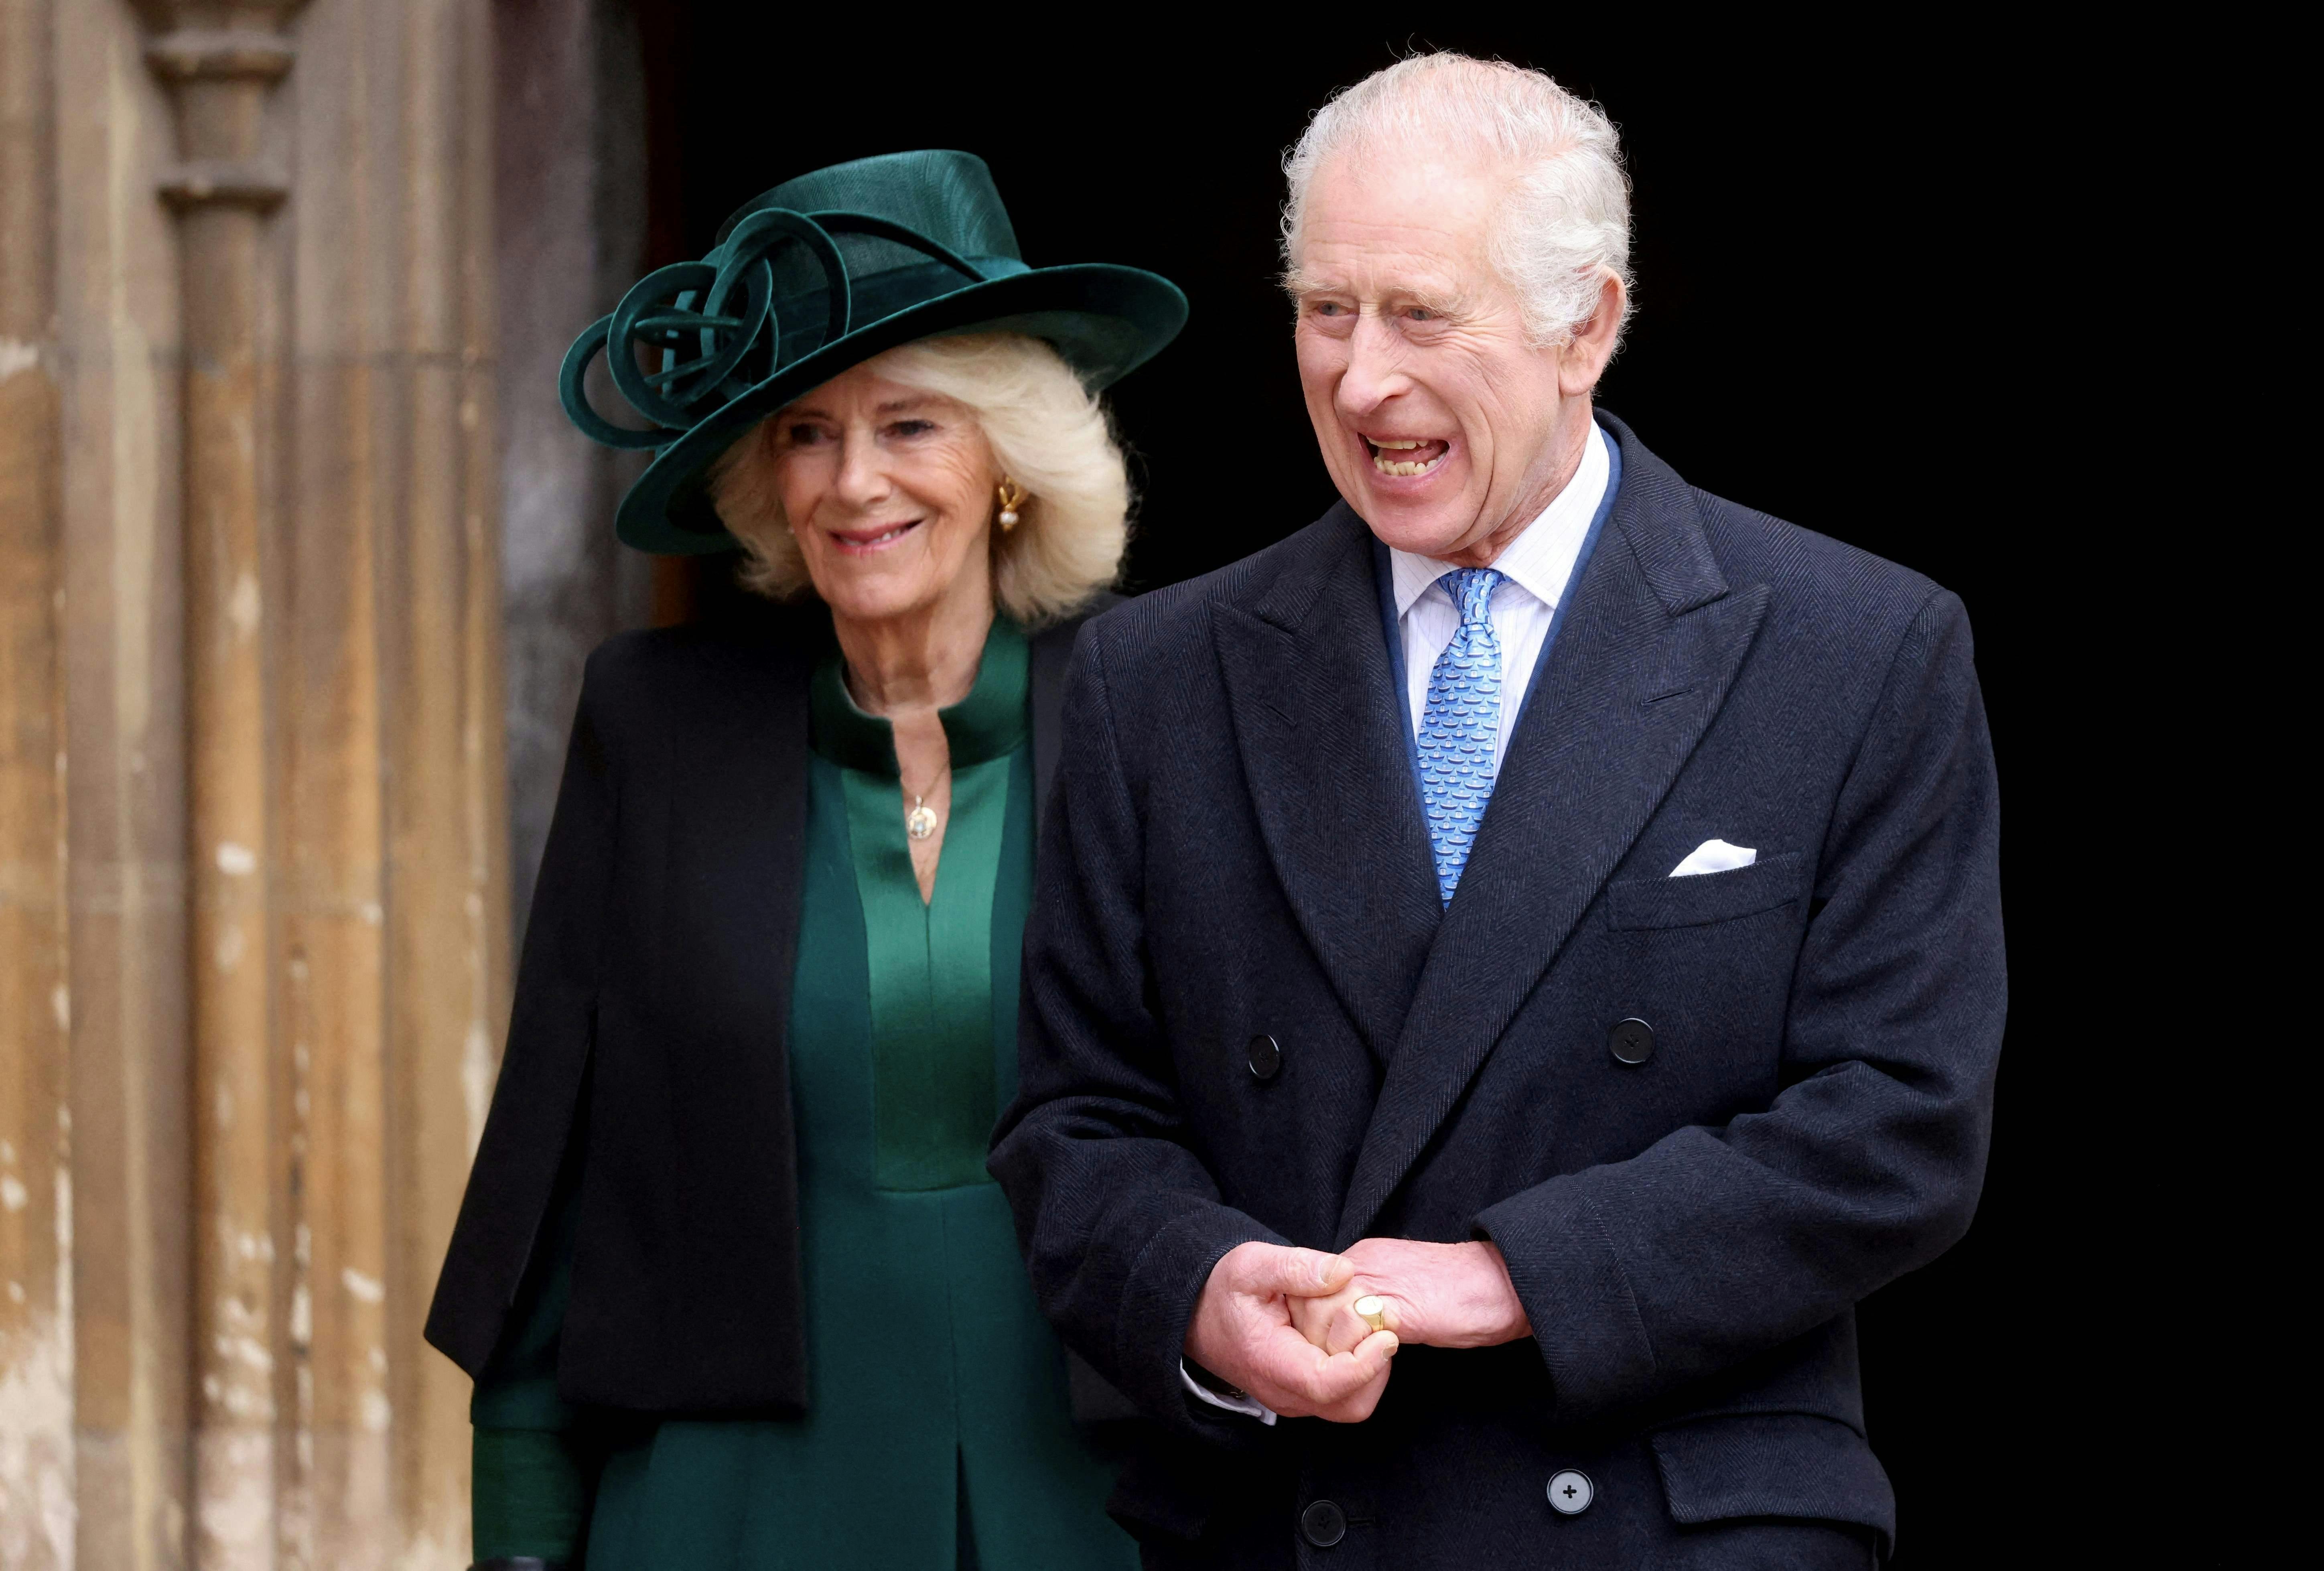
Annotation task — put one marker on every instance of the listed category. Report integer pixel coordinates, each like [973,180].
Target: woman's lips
[861,542]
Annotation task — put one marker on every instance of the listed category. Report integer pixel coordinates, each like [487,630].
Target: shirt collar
[1541,559]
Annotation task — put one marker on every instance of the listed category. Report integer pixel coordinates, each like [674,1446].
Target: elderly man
[1541,917]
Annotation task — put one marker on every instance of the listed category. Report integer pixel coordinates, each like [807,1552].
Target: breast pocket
[1700,898]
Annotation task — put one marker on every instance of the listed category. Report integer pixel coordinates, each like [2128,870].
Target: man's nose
[1374,372]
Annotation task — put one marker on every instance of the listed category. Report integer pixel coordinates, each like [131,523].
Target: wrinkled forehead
[1382,215]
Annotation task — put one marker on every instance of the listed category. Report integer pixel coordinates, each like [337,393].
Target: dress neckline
[986,724]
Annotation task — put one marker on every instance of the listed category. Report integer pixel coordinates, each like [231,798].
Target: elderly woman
[731,1277]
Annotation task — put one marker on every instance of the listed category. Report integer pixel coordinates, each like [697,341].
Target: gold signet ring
[1371,1311]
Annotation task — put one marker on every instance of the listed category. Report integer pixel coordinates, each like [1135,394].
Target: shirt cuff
[1249,1407]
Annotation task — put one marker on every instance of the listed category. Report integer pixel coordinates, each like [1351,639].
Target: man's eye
[1329,307]
[1421,314]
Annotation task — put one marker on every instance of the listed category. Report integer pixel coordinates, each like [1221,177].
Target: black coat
[647,1042]
[1237,847]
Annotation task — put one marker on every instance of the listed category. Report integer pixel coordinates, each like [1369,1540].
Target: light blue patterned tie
[1460,724]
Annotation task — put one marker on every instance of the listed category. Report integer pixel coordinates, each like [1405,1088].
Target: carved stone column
[394,851]
[118,371]
[222,62]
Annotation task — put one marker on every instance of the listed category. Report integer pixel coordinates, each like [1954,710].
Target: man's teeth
[1404,467]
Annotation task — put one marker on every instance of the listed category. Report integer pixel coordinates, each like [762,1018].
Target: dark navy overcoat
[1236,848]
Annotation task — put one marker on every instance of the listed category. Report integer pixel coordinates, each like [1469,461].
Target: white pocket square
[1714,856]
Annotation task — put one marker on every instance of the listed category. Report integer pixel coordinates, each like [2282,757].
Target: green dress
[937,1431]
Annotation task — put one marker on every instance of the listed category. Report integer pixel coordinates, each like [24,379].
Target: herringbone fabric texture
[1461,726]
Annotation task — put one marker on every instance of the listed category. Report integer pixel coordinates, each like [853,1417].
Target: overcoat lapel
[1320,733]
[1052,650]
[737,791]
[1654,637]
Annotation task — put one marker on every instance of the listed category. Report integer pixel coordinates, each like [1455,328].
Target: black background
[1863,284]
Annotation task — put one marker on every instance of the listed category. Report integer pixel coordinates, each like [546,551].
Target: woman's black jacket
[647,1036]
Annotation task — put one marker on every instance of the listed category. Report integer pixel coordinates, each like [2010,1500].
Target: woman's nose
[863,475]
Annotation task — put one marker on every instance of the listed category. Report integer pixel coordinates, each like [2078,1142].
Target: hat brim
[1106,320]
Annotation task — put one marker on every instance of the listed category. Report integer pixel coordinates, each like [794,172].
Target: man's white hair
[1566,222]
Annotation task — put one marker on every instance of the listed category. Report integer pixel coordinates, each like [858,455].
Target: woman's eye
[804,436]
[912,428]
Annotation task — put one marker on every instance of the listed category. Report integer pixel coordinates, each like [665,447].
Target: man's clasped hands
[1281,1324]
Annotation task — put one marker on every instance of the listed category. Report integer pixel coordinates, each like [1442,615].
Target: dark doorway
[1817,220]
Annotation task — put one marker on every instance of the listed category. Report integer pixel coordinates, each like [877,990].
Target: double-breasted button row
[1631,1041]
[1324,1523]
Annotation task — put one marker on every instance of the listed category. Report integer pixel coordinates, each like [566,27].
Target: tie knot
[1471,590]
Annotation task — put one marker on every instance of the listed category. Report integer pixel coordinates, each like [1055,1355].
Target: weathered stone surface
[254,924]
[37,1504]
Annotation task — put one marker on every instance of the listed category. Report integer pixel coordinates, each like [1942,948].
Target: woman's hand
[1439,1294]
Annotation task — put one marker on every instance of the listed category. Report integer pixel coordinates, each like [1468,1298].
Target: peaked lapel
[1321,732]
[1052,650]
[1654,641]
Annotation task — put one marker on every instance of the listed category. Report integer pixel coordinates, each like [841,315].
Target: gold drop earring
[1012,498]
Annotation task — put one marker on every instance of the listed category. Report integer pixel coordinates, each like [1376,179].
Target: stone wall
[253,913]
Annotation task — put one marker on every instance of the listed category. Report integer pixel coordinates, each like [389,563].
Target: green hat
[821,273]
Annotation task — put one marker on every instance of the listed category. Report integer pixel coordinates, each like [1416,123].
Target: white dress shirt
[1534,566]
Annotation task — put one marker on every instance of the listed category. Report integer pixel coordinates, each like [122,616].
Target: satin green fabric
[929,1365]
[931,966]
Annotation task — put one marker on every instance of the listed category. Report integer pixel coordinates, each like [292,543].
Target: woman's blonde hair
[1047,433]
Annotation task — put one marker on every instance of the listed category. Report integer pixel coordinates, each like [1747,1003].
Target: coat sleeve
[1716,1243]
[546,1058]
[1120,1221]
[534,1459]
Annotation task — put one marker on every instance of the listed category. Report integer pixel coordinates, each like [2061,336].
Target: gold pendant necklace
[921,821]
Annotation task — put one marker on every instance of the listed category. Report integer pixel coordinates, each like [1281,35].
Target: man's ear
[1583,359]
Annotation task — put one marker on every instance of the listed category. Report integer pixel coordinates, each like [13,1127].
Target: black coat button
[1323,1523]
[1266,1057]
[1632,1042]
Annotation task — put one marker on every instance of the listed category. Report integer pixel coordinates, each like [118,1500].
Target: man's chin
[1423,531]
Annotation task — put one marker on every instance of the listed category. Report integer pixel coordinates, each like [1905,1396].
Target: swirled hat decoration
[819,274]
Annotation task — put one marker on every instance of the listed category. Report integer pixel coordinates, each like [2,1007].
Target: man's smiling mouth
[1406,456]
